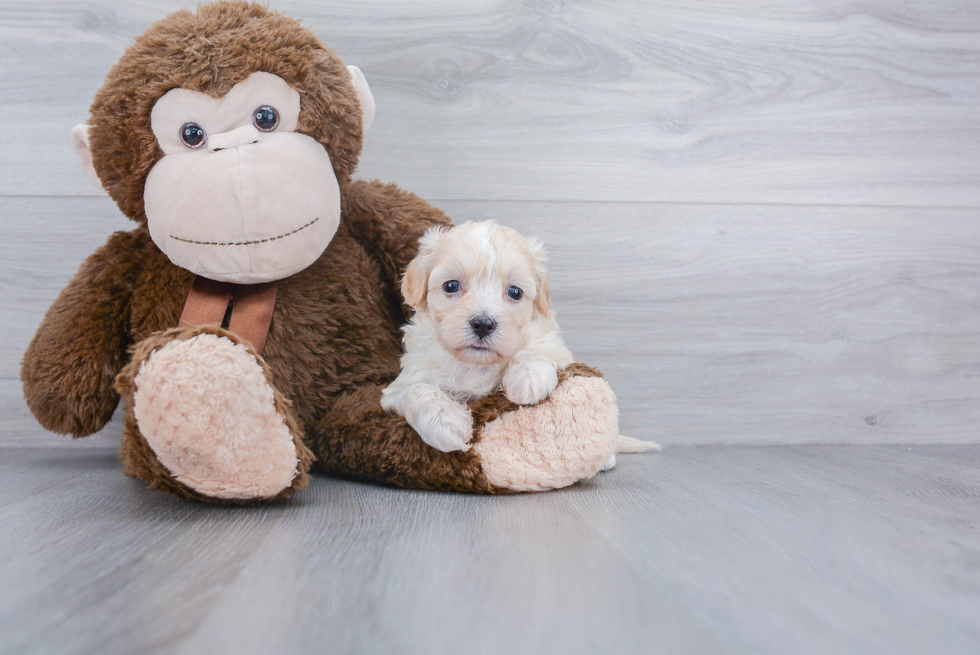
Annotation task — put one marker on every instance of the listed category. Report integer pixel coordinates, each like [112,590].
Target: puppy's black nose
[482,325]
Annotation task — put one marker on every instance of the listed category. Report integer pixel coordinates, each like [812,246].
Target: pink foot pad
[206,409]
[566,438]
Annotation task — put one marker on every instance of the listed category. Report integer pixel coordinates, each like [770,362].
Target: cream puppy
[482,322]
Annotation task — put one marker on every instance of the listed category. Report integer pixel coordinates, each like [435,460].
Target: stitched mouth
[245,243]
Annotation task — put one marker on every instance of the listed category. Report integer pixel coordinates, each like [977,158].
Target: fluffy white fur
[446,362]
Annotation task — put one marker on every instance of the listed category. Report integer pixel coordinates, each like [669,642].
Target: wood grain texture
[697,550]
[843,102]
[713,323]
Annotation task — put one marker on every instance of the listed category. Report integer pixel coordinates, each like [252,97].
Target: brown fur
[334,341]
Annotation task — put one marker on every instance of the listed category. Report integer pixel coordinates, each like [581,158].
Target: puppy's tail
[631,445]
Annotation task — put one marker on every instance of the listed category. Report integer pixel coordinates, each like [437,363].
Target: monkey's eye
[450,287]
[515,293]
[266,118]
[193,135]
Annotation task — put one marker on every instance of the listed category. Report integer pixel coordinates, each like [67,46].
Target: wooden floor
[756,550]
[764,227]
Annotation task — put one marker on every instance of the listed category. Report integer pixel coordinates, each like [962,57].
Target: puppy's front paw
[529,382]
[445,425]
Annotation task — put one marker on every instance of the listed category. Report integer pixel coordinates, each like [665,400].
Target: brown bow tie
[247,308]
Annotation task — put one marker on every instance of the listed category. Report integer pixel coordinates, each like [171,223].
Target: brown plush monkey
[252,317]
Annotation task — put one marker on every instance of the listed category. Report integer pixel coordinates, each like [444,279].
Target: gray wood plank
[714,324]
[842,549]
[850,102]
[807,549]
[169,576]
[26,472]
[525,576]
[85,535]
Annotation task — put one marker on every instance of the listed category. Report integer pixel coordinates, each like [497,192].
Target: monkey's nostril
[482,326]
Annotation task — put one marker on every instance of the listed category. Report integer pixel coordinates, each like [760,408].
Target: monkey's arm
[388,221]
[69,368]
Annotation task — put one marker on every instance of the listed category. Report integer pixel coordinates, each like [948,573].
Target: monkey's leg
[564,439]
[204,422]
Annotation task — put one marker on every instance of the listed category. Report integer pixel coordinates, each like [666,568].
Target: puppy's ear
[415,284]
[542,300]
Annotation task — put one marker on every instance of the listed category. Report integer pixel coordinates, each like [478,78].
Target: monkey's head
[229,132]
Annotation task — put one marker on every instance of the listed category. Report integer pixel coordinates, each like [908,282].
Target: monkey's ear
[79,142]
[364,96]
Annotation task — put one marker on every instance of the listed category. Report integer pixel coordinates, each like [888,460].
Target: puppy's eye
[450,287]
[193,135]
[265,118]
[515,293]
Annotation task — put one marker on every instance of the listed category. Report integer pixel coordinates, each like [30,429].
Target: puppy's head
[482,284]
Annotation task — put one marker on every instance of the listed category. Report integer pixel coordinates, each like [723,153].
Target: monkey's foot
[204,407]
[566,438]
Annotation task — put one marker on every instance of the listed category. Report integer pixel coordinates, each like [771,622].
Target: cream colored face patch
[247,199]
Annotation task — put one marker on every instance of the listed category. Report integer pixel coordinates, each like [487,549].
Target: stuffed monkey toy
[252,317]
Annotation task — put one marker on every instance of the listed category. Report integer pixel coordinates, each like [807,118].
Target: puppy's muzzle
[482,326]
